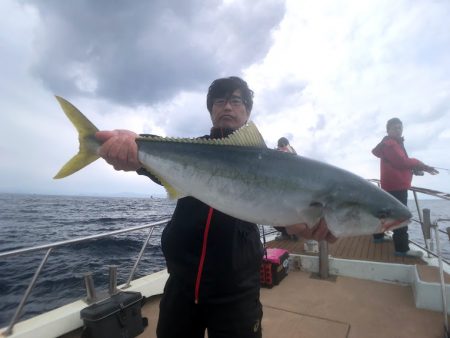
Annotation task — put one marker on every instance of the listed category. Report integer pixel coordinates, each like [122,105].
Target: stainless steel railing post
[422,219]
[112,280]
[130,278]
[323,260]
[90,288]
[19,309]
[441,275]
[426,224]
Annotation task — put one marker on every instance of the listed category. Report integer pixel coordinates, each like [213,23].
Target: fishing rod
[447,170]
[442,169]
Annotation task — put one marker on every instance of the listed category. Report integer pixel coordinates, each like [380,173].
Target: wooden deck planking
[364,249]
[348,248]
[377,247]
[357,248]
[384,252]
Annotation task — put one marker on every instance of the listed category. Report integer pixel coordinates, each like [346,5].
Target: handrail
[425,191]
[50,247]
[78,240]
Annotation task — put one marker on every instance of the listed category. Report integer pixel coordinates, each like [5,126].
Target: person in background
[283,145]
[396,171]
[213,259]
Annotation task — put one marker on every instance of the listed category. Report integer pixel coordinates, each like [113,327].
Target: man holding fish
[226,183]
[213,259]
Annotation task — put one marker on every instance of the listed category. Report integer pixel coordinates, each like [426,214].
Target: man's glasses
[235,101]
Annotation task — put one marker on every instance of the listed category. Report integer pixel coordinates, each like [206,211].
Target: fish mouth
[389,224]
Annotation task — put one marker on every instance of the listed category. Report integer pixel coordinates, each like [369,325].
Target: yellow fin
[246,136]
[171,191]
[81,123]
[86,136]
[79,161]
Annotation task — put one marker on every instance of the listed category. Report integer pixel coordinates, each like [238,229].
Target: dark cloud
[147,51]
[278,98]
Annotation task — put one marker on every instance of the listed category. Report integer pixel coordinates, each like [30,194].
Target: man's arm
[394,154]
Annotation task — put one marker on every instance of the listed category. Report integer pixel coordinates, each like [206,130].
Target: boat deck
[357,248]
[305,306]
[302,306]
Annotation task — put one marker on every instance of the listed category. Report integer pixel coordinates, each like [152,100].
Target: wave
[35,220]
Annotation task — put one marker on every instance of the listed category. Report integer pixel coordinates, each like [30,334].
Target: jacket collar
[220,132]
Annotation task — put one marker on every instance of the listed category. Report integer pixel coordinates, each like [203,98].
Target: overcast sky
[326,74]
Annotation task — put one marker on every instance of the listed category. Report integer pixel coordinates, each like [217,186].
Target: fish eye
[316,204]
[384,213]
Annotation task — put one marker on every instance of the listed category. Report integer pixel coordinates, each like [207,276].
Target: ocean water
[439,209]
[30,220]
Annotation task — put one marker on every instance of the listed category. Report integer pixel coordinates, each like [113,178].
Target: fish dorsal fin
[246,136]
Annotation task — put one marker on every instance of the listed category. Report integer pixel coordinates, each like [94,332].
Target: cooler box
[274,267]
[117,316]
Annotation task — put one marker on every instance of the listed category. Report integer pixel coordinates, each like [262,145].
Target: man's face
[395,130]
[229,112]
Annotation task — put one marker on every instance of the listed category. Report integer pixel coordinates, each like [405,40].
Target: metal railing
[51,247]
[435,226]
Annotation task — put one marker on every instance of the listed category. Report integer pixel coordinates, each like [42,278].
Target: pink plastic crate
[274,255]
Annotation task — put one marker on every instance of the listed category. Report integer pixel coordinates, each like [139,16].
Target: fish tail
[86,137]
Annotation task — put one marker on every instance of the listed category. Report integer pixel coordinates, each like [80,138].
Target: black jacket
[233,253]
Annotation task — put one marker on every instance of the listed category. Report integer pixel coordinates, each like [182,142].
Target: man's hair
[283,142]
[224,87]
[391,122]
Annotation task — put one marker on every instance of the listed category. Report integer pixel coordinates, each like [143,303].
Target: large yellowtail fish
[241,177]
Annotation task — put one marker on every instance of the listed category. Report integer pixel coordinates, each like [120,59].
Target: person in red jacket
[396,171]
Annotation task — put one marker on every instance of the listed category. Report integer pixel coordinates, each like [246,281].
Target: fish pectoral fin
[172,193]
